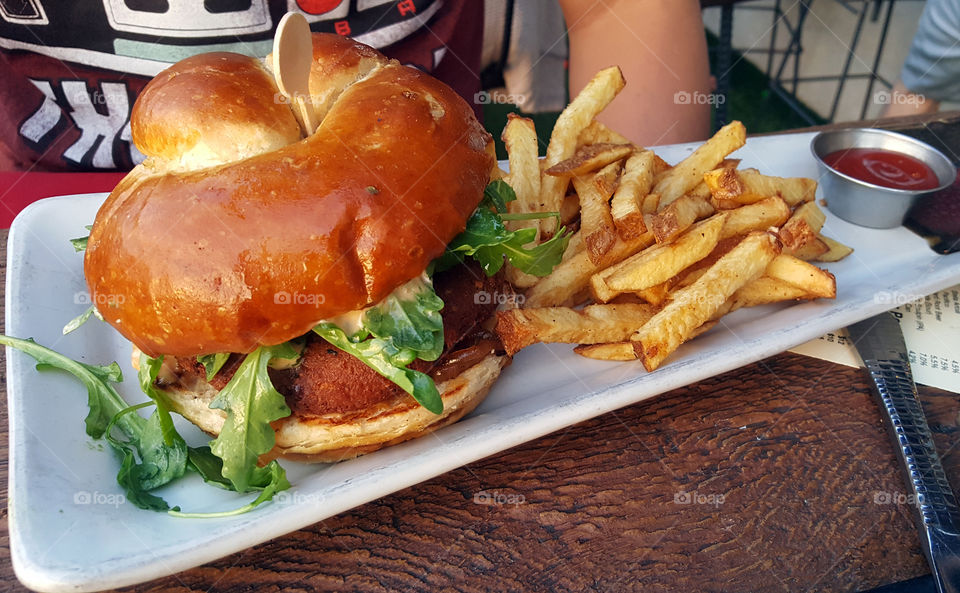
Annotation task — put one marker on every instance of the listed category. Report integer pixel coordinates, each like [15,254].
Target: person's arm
[903,102]
[661,48]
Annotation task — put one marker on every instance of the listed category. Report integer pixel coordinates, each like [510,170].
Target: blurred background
[787,64]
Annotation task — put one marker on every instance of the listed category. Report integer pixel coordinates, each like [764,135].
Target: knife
[936,512]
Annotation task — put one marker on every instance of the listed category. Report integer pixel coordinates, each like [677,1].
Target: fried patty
[328,380]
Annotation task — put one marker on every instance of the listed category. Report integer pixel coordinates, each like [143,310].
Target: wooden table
[772,477]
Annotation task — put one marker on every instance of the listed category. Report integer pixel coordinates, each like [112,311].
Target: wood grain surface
[774,477]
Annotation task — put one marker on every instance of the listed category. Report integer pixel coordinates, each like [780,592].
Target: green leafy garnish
[147,460]
[410,319]
[488,240]
[213,363]
[383,357]
[403,327]
[80,243]
[251,403]
[152,452]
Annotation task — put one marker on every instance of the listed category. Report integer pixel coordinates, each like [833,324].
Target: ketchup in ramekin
[883,167]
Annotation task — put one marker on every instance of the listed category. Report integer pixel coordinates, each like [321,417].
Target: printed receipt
[931,329]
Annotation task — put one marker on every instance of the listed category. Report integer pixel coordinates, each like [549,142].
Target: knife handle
[937,511]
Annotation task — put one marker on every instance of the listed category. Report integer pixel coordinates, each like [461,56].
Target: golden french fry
[563,140]
[835,252]
[688,173]
[621,351]
[811,213]
[765,290]
[596,224]
[635,183]
[589,158]
[770,212]
[817,282]
[677,217]
[519,328]
[795,233]
[747,186]
[650,204]
[657,264]
[655,295]
[597,133]
[520,138]
[694,305]
[572,276]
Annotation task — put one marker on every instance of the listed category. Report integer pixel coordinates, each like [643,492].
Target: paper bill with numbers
[931,329]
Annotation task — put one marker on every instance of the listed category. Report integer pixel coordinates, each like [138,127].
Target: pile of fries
[661,252]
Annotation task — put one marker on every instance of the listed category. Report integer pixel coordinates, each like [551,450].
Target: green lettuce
[487,239]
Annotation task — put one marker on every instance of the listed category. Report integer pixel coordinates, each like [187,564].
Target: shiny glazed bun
[236,233]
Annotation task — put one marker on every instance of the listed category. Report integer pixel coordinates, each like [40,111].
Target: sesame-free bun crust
[235,233]
[336,437]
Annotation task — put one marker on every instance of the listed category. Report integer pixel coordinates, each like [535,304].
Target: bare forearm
[661,48]
[902,101]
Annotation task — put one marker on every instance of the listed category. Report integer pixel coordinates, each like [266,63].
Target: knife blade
[936,511]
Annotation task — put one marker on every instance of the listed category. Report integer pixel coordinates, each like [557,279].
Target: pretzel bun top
[236,233]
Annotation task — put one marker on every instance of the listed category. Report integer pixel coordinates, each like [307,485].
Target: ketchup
[883,167]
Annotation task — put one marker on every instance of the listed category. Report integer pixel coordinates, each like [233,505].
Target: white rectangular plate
[69,531]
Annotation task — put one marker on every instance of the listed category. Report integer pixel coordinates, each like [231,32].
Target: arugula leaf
[146,439]
[102,399]
[160,462]
[213,363]
[277,481]
[497,195]
[410,319]
[80,243]
[488,240]
[209,466]
[383,356]
[251,404]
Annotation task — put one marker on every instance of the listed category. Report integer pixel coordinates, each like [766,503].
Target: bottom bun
[336,437]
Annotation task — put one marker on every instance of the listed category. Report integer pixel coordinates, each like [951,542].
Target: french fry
[689,172]
[817,282]
[659,263]
[748,186]
[620,351]
[572,276]
[623,351]
[770,212]
[655,295]
[589,158]
[677,217]
[694,305]
[801,241]
[520,138]
[563,140]
[597,133]
[519,328]
[635,183]
[765,290]
[835,252]
[596,224]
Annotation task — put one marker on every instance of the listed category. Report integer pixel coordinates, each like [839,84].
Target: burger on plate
[313,295]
